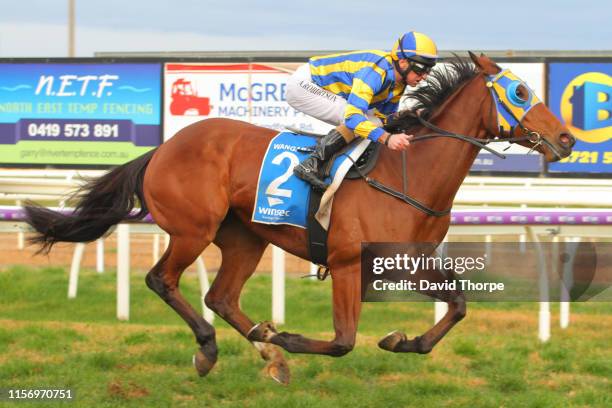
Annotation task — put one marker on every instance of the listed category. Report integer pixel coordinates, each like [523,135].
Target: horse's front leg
[398,342]
[346,287]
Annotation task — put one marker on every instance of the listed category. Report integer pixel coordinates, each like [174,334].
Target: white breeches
[309,98]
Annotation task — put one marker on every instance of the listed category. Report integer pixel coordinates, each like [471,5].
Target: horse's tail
[102,203]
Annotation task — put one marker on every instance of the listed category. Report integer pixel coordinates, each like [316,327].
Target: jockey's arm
[355,115]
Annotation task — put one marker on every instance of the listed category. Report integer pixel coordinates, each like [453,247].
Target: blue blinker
[512,94]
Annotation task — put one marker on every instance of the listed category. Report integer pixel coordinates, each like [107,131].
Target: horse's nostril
[567,139]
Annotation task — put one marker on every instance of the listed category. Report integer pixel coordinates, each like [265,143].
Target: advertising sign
[92,114]
[253,93]
[256,93]
[581,95]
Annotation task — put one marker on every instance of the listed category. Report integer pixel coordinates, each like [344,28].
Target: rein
[530,136]
[401,196]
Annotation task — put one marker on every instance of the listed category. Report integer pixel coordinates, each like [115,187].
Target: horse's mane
[440,84]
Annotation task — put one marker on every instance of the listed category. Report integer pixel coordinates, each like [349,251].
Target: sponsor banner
[580,94]
[92,114]
[253,93]
[197,91]
[517,162]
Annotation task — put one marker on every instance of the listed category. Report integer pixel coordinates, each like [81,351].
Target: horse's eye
[522,93]
[518,93]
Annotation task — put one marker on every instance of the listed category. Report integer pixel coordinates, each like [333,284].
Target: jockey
[356,92]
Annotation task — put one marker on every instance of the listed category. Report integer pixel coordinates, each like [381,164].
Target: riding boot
[311,169]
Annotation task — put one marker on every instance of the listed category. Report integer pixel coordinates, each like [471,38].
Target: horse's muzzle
[567,140]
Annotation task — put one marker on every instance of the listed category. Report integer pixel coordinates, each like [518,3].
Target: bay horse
[199,187]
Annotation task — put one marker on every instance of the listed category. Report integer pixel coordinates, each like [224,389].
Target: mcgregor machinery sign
[253,93]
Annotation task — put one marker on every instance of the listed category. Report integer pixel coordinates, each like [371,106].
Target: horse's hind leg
[399,343]
[164,278]
[241,251]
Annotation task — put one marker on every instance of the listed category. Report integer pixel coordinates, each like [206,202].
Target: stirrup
[322,272]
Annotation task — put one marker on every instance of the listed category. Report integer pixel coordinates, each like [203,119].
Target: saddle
[364,165]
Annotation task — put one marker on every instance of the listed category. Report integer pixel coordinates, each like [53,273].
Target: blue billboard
[580,94]
[78,113]
[519,163]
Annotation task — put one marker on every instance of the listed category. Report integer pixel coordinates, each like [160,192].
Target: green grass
[491,359]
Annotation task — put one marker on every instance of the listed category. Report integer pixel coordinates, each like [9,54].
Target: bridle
[510,118]
[503,87]
[528,135]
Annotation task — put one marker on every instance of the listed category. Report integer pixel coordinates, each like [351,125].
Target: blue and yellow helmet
[415,46]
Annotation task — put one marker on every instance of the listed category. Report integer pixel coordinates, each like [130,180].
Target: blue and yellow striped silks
[366,79]
[414,43]
[510,107]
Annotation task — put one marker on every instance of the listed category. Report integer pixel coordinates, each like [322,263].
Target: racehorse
[199,187]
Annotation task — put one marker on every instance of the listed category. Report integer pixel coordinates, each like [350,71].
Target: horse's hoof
[279,371]
[276,366]
[202,364]
[262,332]
[391,340]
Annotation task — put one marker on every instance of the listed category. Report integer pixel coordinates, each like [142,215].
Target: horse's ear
[484,63]
[474,58]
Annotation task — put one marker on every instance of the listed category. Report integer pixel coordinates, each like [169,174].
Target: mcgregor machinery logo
[586,107]
[185,99]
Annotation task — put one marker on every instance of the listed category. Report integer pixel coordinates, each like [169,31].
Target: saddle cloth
[281,197]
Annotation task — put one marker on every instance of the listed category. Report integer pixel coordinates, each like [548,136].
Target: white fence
[476,190]
[491,192]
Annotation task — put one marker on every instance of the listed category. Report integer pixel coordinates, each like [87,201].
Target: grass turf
[492,358]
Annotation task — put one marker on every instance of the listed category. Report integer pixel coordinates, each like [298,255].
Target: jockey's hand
[399,141]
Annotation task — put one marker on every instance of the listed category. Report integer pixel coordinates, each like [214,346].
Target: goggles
[419,68]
